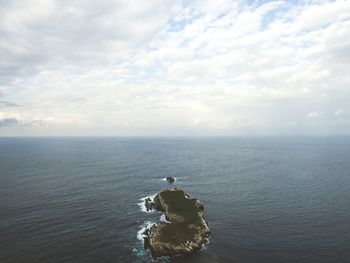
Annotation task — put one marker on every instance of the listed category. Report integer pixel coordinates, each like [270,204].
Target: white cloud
[166,67]
[314,115]
[342,114]
[37,33]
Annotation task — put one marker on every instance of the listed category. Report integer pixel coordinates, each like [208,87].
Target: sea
[266,199]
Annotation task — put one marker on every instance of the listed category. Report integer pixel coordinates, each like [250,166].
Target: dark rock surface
[149,204]
[187,230]
[170,179]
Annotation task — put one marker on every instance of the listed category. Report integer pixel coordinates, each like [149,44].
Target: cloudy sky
[166,67]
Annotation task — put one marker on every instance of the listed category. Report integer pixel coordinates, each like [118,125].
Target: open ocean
[268,199]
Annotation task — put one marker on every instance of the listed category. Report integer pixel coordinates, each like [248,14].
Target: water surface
[273,199]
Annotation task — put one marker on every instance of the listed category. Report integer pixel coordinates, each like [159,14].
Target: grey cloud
[224,74]
[8,104]
[342,114]
[14,122]
[9,122]
[340,53]
[81,33]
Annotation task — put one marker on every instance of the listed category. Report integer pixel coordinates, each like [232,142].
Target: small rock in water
[170,179]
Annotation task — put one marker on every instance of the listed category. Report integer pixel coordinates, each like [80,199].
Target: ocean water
[272,199]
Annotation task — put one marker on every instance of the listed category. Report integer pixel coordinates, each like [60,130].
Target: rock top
[186,231]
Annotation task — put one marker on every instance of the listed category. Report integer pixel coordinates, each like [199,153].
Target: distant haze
[166,67]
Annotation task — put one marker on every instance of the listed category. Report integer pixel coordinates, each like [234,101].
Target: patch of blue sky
[273,14]
[178,25]
[261,2]
[269,17]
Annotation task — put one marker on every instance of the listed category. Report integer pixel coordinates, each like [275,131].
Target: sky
[174,68]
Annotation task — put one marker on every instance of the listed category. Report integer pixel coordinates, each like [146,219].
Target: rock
[149,204]
[187,230]
[170,179]
[146,239]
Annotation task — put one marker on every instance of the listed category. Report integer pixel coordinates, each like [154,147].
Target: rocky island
[186,230]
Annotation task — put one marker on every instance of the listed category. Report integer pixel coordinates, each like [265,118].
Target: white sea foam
[142,203]
[205,245]
[163,219]
[164,179]
[146,225]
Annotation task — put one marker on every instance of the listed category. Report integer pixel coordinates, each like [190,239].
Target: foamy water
[142,203]
[146,225]
[163,219]
[165,180]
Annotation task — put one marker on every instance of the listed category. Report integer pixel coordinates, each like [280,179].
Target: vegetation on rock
[186,231]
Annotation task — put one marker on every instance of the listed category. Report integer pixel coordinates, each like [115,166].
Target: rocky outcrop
[149,204]
[186,231]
